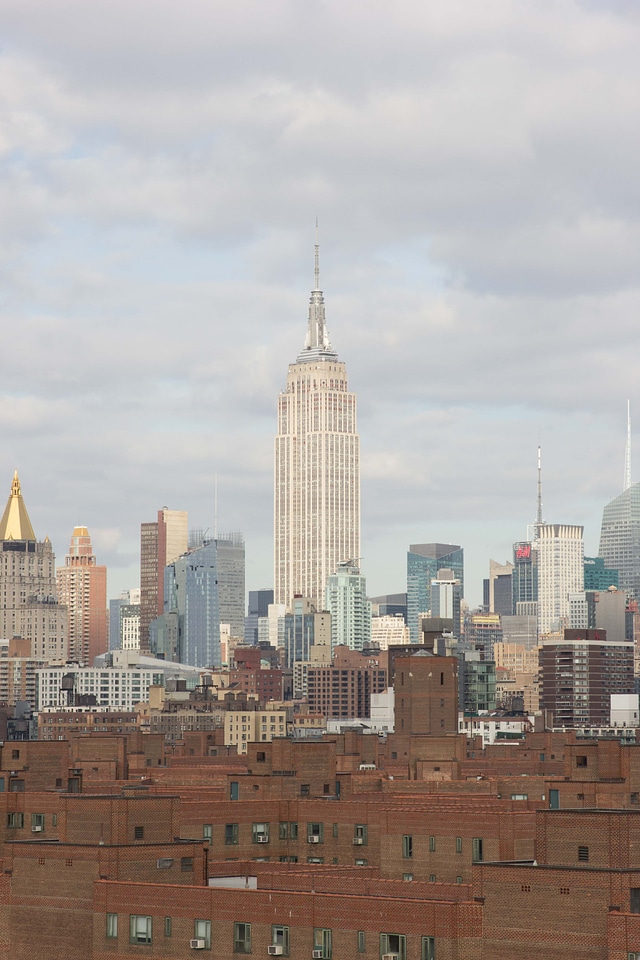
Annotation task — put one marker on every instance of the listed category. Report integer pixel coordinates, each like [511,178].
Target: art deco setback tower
[82,586]
[317,467]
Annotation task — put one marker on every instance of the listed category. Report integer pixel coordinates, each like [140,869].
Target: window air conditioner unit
[313,839]
[316,954]
[36,829]
[275,950]
[13,773]
[389,956]
[358,841]
[262,838]
[196,944]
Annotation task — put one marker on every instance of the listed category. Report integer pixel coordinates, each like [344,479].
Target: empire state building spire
[317,345]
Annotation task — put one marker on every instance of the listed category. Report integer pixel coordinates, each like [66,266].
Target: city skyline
[472,171]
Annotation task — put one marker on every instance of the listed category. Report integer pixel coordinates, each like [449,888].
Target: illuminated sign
[523,551]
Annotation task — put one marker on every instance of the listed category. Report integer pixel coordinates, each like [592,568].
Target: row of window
[37,820]
[287,830]
[392,945]
[476,846]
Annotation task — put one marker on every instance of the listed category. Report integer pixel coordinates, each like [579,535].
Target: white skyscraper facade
[560,572]
[317,467]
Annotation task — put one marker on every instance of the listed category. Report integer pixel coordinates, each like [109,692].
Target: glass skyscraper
[620,539]
[424,560]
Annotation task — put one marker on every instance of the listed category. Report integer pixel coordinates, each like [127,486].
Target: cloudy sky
[474,167]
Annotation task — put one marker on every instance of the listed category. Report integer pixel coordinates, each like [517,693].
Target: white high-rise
[560,572]
[317,467]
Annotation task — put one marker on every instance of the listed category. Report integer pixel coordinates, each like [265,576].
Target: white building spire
[317,345]
[627,452]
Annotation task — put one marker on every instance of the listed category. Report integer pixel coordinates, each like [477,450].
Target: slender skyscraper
[317,467]
[620,531]
[82,586]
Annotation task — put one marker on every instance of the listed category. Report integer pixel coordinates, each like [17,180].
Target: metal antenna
[539,520]
[627,452]
[215,508]
[317,260]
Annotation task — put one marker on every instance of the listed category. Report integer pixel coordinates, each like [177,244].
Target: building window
[315,859]
[634,896]
[362,941]
[37,822]
[360,862]
[230,833]
[322,943]
[207,832]
[315,832]
[15,820]
[280,938]
[242,938]
[360,834]
[581,761]
[167,926]
[202,931]
[476,848]
[407,846]
[305,789]
[583,854]
[139,929]
[432,844]
[112,926]
[138,833]
[428,948]
[335,831]
[54,819]
[234,790]
[458,844]
[393,944]
[260,833]
[186,864]
[407,876]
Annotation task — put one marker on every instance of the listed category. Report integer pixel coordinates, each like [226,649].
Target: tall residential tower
[317,467]
[82,586]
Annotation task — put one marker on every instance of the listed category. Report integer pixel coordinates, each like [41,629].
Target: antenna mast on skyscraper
[317,260]
[215,508]
[627,452]
[539,520]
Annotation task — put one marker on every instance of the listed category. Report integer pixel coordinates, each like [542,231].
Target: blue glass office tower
[191,598]
[424,560]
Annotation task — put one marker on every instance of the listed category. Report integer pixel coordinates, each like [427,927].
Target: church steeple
[15,523]
[317,345]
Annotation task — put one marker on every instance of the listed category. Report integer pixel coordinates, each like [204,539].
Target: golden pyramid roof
[15,523]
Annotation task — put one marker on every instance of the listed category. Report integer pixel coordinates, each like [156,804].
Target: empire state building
[317,467]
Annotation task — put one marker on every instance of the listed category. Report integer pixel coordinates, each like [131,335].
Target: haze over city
[473,168]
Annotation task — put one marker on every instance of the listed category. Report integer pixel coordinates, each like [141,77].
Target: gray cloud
[473,166]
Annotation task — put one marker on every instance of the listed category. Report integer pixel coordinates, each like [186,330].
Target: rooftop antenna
[627,452]
[215,508]
[317,260]
[539,520]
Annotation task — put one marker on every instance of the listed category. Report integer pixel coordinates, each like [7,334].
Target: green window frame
[428,948]
[242,937]
[280,938]
[140,929]
[322,942]
[202,931]
[393,943]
